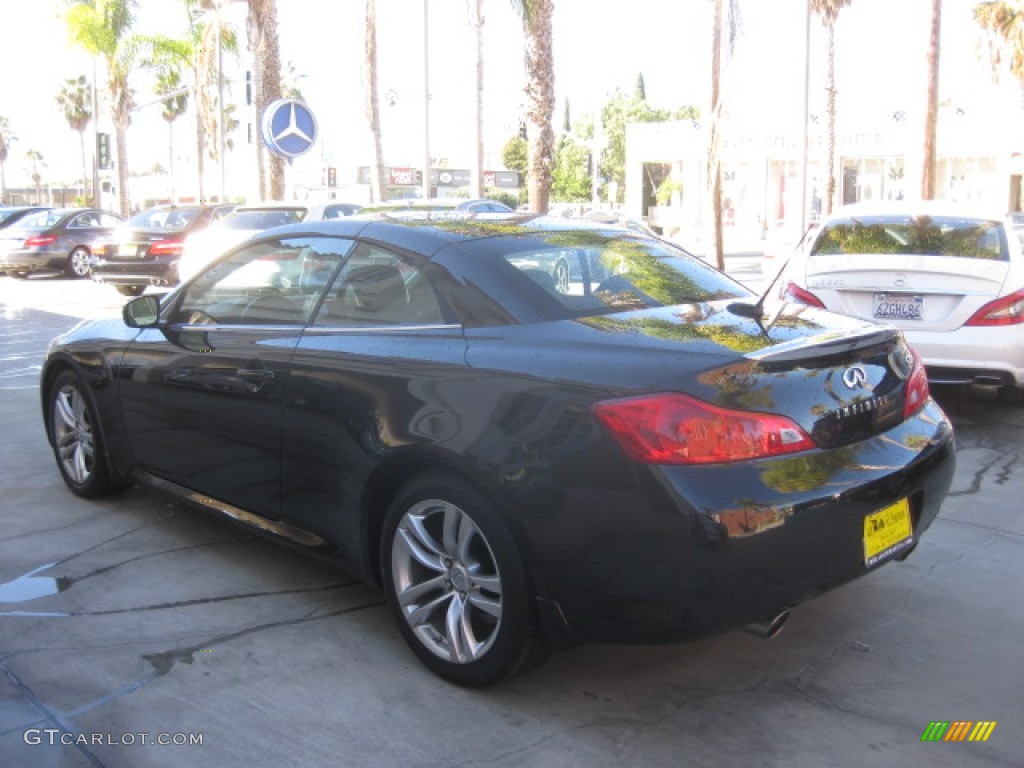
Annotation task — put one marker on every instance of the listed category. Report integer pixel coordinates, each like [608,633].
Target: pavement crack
[172,550]
[218,599]
[52,717]
[164,661]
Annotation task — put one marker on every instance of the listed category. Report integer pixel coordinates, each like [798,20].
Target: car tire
[457,584]
[130,290]
[77,439]
[78,263]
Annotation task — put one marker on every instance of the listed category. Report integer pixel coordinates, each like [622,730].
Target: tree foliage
[1003,25]
[571,180]
[619,111]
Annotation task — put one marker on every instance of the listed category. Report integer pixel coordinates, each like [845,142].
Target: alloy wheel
[73,434]
[446,580]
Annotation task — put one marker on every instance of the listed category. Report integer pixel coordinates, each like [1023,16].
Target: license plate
[887,532]
[898,306]
[127,250]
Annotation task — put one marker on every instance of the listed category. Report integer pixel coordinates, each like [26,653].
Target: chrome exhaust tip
[769,628]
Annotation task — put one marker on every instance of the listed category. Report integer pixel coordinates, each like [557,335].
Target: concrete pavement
[134,615]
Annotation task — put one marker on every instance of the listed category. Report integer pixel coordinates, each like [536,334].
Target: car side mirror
[143,312]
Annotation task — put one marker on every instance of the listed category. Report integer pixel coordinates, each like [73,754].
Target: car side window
[275,282]
[83,221]
[377,287]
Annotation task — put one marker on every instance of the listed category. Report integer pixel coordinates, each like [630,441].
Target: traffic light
[103,151]
[332,177]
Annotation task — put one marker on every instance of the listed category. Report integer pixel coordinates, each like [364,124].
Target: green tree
[104,28]
[619,111]
[570,180]
[75,101]
[829,10]
[516,155]
[540,97]
[7,137]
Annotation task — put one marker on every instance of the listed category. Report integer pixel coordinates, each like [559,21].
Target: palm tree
[540,97]
[476,20]
[36,159]
[104,28]
[829,10]
[263,42]
[210,36]
[7,137]
[932,110]
[75,100]
[169,84]
[717,112]
[1003,23]
[373,103]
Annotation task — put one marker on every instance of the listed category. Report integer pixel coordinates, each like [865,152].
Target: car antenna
[756,310]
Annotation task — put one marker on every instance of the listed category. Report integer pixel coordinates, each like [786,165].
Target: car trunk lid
[911,291]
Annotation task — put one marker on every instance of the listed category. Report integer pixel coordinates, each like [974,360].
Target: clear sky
[600,45]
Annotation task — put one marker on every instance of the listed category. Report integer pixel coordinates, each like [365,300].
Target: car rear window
[168,219]
[41,220]
[263,219]
[962,237]
[586,273]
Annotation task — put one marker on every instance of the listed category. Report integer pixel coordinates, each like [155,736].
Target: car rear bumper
[991,355]
[161,272]
[32,261]
[731,546]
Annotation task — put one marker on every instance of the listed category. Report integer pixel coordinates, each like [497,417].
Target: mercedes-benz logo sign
[288,128]
[855,377]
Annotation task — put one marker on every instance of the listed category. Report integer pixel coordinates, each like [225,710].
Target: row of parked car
[164,245]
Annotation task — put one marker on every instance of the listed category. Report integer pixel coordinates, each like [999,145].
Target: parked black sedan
[647,454]
[145,251]
[54,239]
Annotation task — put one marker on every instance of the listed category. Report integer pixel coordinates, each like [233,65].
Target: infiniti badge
[855,377]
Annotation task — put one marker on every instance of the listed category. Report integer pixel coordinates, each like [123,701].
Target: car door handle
[254,378]
[257,375]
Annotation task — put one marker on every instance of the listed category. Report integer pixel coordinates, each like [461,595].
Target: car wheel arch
[388,480]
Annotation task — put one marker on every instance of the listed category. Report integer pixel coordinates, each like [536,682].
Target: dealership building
[879,156]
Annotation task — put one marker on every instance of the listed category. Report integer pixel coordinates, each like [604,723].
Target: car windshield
[169,219]
[262,219]
[960,236]
[586,273]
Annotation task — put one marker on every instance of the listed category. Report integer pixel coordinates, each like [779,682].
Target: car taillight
[37,240]
[1009,310]
[915,391]
[678,429]
[793,292]
[167,247]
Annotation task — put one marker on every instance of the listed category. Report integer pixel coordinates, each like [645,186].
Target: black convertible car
[530,432]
